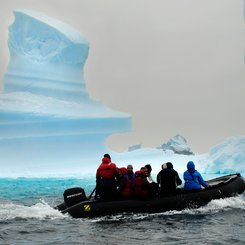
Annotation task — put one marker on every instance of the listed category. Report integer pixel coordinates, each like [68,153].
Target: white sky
[177,66]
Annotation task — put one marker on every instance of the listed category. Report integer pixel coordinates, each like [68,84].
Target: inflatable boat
[78,205]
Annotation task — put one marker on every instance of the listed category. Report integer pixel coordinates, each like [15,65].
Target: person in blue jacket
[193,179]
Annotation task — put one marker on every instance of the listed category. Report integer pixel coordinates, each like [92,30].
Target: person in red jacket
[143,189]
[107,173]
[125,185]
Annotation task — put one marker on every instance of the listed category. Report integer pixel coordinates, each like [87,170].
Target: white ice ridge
[46,115]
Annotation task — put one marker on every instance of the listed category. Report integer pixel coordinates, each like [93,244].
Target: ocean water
[27,216]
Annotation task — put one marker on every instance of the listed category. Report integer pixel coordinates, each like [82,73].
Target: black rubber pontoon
[222,187]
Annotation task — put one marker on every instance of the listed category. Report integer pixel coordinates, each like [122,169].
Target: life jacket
[140,190]
[107,169]
[125,184]
[128,188]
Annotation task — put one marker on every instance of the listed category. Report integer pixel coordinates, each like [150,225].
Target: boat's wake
[223,204]
[40,210]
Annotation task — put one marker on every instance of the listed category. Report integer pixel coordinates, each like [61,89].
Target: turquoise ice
[48,122]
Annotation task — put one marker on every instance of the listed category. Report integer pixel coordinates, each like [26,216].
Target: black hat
[148,166]
[169,165]
[107,156]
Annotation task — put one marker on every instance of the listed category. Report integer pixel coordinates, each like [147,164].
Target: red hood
[106,160]
[140,173]
[124,170]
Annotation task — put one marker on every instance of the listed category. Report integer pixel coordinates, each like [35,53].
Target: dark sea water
[27,216]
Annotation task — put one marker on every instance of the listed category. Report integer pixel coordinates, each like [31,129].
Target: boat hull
[223,187]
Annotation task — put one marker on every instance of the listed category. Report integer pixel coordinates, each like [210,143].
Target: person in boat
[143,189]
[130,172]
[149,169]
[193,179]
[125,185]
[168,180]
[155,186]
[106,176]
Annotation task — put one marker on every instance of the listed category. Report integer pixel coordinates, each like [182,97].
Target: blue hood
[191,166]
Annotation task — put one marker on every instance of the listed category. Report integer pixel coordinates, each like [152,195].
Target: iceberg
[178,145]
[48,122]
[134,147]
[49,125]
[225,158]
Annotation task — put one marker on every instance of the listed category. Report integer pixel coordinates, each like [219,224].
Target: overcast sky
[177,66]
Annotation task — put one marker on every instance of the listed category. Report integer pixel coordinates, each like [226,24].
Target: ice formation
[225,158]
[49,126]
[178,145]
[134,147]
[228,157]
[47,119]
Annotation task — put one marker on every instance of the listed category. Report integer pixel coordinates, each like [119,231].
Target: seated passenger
[130,173]
[143,189]
[149,169]
[168,179]
[125,185]
[155,186]
[106,175]
[193,179]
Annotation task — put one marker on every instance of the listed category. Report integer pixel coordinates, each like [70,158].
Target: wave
[224,204]
[40,210]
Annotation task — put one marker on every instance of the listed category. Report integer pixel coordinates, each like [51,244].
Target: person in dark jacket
[125,185]
[155,186]
[168,180]
[130,172]
[106,175]
[193,179]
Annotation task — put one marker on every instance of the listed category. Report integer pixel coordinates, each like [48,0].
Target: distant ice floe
[225,158]
[178,145]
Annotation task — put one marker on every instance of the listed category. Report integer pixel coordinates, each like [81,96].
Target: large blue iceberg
[49,126]
[47,119]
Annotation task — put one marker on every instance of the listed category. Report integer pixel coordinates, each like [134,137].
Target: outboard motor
[73,196]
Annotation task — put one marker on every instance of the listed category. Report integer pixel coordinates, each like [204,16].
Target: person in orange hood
[106,176]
